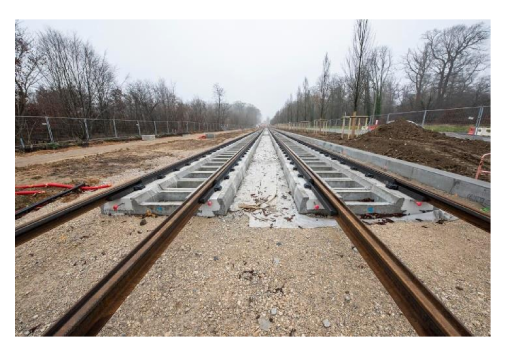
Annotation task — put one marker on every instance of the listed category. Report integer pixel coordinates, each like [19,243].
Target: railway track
[466,213]
[423,310]
[32,229]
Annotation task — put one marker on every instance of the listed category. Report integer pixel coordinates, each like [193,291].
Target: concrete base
[220,201]
[361,194]
[148,137]
[474,190]
[165,195]
[305,199]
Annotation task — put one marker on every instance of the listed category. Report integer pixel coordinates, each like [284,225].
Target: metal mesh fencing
[471,120]
[34,131]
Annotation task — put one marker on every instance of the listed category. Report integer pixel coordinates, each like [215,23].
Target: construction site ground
[406,141]
[221,277]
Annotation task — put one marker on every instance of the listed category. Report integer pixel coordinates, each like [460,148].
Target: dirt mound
[406,141]
[401,129]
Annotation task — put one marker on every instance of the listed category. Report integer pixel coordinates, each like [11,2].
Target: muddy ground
[405,141]
[93,168]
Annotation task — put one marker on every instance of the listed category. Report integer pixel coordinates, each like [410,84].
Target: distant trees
[355,68]
[306,101]
[75,76]
[444,70]
[219,94]
[28,61]
[60,75]
[457,55]
[323,86]
[141,101]
[417,64]
[380,73]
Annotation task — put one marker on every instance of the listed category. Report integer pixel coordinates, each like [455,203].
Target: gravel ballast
[221,277]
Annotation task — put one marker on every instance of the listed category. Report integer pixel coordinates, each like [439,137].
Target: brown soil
[406,141]
[24,201]
[92,169]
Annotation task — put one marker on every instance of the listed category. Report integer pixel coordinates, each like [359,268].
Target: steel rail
[47,200]
[95,308]
[34,228]
[424,311]
[472,216]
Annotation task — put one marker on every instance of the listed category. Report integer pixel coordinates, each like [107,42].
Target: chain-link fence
[471,121]
[37,131]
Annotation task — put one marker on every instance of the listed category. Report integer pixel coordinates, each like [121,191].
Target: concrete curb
[474,190]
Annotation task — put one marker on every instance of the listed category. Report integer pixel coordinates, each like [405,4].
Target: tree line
[60,75]
[443,71]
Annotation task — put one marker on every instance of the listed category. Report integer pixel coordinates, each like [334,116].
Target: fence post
[155,125]
[49,130]
[388,118]
[187,127]
[114,126]
[168,127]
[424,118]
[86,130]
[138,124]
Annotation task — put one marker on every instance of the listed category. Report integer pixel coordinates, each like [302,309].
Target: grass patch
[448,128]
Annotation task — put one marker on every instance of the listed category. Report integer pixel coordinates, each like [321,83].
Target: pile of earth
[407,141]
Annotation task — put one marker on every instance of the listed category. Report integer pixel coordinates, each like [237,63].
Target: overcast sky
[258,62]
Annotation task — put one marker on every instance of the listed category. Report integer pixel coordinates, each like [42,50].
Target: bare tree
[219,94]
[290,107]
[448,64]
[417,65]
[300,114]
[307,100]
[141,101]
[82,79]
[380,72]
[355,68]
[28,61]
[166,100]
[482,91]
[323,86]
[458,52]
[199,110]
[337,96]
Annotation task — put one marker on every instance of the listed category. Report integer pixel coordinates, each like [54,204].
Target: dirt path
[106,165]
[48,156]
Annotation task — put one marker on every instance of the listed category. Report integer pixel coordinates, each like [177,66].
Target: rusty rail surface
[91,313]
[424,311]
[468,214]
[34,228]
